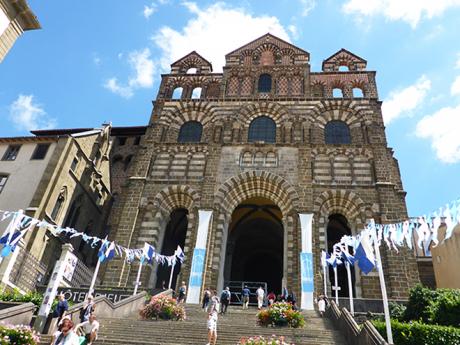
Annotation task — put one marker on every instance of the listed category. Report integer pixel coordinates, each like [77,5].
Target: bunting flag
[179,253]
[324,256]
[107,251]
[20,224]
[364,254]
[148,252]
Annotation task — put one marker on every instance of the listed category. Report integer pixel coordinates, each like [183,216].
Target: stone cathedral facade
[255,146]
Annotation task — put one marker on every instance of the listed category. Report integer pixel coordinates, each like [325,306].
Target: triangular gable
[346,55]
[192,56]
[271,39]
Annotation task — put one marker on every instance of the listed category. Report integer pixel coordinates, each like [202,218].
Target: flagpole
[171,276]
[350,289]
[93,281]
[336,288]
[382,286]
[324,279]
[138,278]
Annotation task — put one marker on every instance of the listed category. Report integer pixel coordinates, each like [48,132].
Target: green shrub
[15,296]
[18,335]
[416,333]
[419,304]
[446,309]
[397,311]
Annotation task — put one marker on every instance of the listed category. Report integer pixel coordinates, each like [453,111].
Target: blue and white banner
[306,261]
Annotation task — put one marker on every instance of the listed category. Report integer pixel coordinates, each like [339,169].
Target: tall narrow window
[59,203]
[177,93]
[74,164]
[3,179]
[11,153]
[262,128]
[40,151]
[337,93]
[337,132]
[190,132]
[196,93]
[265,83]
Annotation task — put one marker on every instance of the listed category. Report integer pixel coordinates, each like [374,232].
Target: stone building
[15,18]
[254,147]
[62,177]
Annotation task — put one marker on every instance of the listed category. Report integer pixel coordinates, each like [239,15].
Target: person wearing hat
[88,308]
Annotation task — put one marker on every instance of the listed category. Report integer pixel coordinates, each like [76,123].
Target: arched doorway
[254,250]
[174,235]
[336,228]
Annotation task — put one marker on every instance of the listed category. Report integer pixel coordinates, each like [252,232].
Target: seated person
[89,329]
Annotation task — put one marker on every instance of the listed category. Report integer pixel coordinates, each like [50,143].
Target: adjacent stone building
[15,18]
[254,147]
[62,177]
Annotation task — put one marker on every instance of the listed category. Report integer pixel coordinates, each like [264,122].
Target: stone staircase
[230,328]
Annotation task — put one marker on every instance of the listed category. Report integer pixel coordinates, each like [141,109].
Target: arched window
[337,93]
[196,93]
[265,83]
[337,132]
[190,132]
[358,92]
[59,204]
[177,93]
[343,68]
[262,128]
[191,70]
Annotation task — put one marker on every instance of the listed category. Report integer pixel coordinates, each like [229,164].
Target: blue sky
[97,61]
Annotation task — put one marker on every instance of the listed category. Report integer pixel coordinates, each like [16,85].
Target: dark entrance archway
[255,244]
[336,228]
[175,233]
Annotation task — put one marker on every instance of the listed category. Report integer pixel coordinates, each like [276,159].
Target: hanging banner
[306,262]
[198,260]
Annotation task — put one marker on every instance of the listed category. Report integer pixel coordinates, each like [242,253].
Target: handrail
[354,334]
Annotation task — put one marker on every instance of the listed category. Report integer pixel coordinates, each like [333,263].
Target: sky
[99,61]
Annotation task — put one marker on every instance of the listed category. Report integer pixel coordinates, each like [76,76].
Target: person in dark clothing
[245,294]
[206,299]
[225,299]
[61,307]
[292,300]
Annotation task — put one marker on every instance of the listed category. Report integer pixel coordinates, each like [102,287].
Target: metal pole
[325,280]
[336,287]
[382,287]
[138,278]
[350,289]
[171,276]
[93,281]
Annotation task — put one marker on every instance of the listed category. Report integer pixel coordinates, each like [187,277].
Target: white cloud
[143,68]
[27,115]
[455,88]
[442,129]
[294,31]
[149,10]
[214,32]
[410,11]
[307,6]
[401,102]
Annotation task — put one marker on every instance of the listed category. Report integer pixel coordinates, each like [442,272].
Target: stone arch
[339,109]
[256,183]
[177,196]
[188,111]
[344,202]
[275,111]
